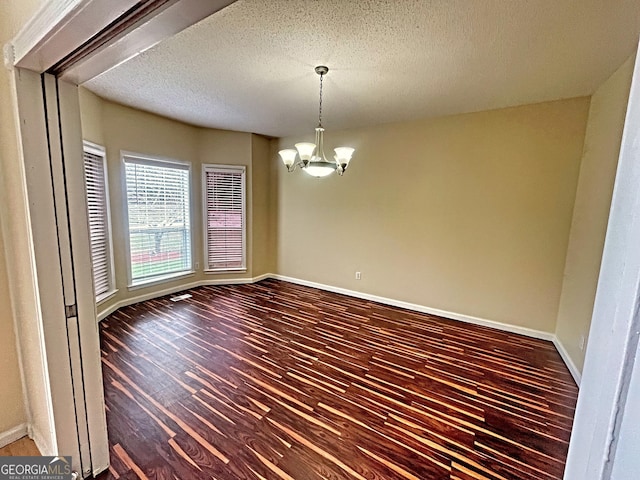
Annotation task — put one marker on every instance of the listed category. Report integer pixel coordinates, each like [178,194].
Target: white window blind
[98,213]
[159,218]
[224,198]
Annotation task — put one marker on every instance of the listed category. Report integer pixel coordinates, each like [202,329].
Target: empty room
[321,239]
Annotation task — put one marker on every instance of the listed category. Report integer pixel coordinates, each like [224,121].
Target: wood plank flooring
[279,381]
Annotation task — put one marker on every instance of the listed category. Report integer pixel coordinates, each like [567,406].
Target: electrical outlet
[358,275]
[581,342]
[197,265]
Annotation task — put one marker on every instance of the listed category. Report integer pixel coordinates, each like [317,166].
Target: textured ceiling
[250,66]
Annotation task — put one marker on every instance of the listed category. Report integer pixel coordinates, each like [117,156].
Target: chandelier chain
[320,107]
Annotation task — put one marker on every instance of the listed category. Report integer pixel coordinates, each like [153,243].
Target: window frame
[100,151]
[206,167]
[147,159]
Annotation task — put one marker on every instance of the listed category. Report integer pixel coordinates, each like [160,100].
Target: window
[224,211]
[159,225]
[99,222]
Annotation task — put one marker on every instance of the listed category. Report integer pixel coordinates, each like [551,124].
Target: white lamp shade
[343,155]
[288,156]
[305,150]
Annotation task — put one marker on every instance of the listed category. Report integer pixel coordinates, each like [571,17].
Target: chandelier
[312,158]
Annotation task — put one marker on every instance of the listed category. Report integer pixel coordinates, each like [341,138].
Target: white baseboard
[575,373]
[505,327]
[13,434]
[102,314]
[43,445]
[238,281]
[147,296]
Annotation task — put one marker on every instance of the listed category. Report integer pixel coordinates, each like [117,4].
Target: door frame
[54,31]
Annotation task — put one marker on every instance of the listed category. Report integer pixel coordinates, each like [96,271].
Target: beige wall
[119,128]
[468,213]
[17,294]
[91,113]
[261,191]
[591,212]
[13,411]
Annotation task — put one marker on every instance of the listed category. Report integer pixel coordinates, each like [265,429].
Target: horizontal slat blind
[225,217]
[159,218]
[98,221]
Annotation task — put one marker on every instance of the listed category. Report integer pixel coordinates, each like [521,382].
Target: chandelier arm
[299,164]
[294,166]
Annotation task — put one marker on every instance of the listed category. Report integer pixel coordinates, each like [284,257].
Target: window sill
[106,296]
[158,280]
[225,270]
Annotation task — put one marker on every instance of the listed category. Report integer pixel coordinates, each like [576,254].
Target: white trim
[236,281]
[54,31]
[106,296]
[41,442]
[94,148]
[146,296]
[158,280]
[505,327]
[163,162]
[102,314]
[154,160]
[179,288]
[13,434]
[8,56]
[575,373]
[225,270]
[23,380]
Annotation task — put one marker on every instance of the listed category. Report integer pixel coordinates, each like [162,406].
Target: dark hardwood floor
[279,381]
